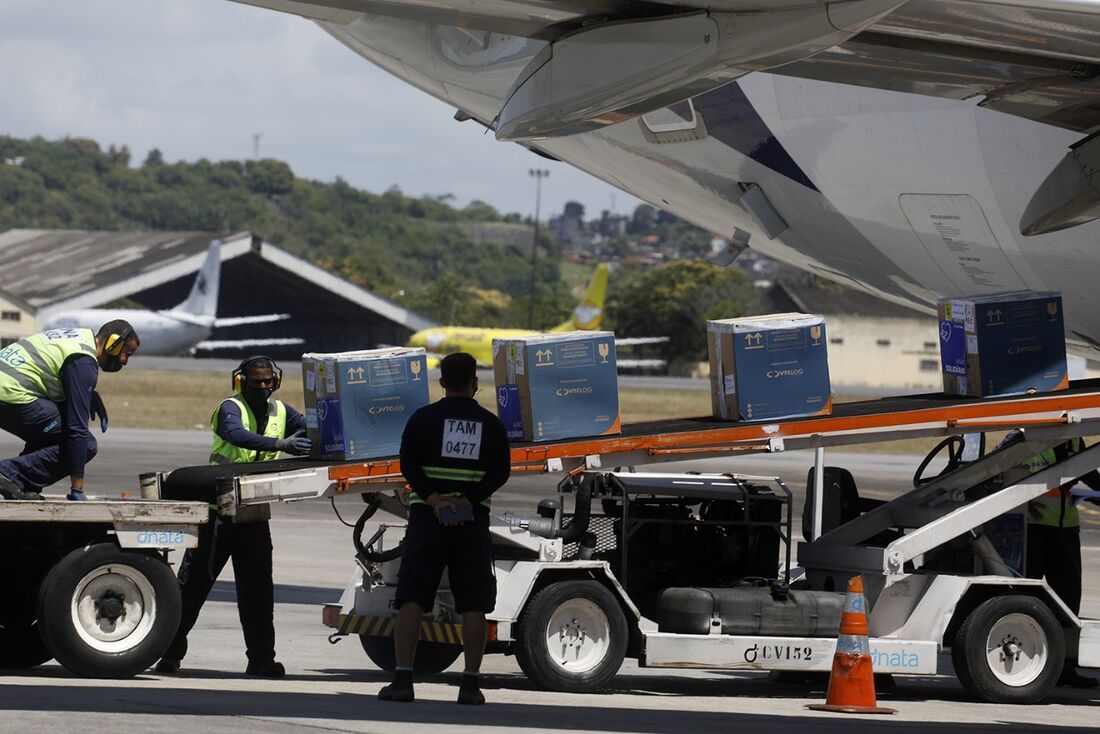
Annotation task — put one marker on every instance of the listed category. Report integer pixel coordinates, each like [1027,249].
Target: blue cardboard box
[1003,344]
[357,403]
[554,386]
[768,367]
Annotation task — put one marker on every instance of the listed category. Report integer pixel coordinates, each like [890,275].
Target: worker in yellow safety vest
[47,397]
[1054,537]
[248,426]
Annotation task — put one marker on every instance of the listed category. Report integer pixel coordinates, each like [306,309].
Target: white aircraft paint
[179,330]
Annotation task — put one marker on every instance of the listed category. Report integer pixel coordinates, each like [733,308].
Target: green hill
[419,251]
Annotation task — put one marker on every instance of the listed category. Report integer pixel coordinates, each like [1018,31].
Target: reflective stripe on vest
[1054,508]
[30,368]
[224,452]
[453,475]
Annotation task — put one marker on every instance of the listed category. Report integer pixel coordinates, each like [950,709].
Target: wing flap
[213,344]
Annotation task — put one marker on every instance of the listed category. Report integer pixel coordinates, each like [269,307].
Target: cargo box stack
[555,386]
[768,367]
[1003,344]
[357,403]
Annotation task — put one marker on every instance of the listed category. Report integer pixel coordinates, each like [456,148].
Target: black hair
[262,363]
[120,327]
[458,371]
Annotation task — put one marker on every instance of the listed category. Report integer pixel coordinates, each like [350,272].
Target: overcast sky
[197,78]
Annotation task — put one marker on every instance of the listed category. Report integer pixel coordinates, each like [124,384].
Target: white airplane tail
[203,300]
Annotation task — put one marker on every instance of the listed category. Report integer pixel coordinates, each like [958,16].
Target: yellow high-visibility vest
[30,368]
[1055,507]
[224,452]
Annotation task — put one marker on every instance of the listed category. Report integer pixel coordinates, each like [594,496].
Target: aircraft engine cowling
[604,74]
[1070,194]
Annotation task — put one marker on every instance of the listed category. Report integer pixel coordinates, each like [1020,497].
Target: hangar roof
[55,270]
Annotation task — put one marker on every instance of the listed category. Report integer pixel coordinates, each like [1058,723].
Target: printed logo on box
[953,347]
[508,410]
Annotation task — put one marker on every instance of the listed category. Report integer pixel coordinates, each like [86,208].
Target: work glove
[99,410]
[298,444]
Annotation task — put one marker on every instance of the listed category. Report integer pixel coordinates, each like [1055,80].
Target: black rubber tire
[536,659]
[968,651]
[432,658]
[156,619]
[22,647]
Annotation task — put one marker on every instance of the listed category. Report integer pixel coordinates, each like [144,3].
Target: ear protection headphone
[117,342]
[238,374]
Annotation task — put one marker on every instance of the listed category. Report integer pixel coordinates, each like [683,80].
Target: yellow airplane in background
[443,340]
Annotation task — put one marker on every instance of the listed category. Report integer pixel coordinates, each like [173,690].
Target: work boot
[168,666]
[400,690]
[469,693]
[75,495]
[266,670]
[1070,678]
[9,490]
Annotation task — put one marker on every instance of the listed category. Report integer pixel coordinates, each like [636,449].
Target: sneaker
[469,693]
[75,496]
[400,690]
[1070,678]
[397,692]
[168,665]
[9,490]
[266,670]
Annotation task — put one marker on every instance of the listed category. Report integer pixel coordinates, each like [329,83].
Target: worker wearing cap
[454,454]
[248,426]
[1054,537]
[47,397]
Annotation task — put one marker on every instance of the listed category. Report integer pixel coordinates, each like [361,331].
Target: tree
[643,220]
[153,159]
[389,243]
[676,300]
[270,177]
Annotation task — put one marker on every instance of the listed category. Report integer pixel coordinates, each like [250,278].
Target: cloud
[198,78]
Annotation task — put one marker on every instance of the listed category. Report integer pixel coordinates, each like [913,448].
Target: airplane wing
[1037,59]
[241,343]
[640,364]
[607,61]
[242,320]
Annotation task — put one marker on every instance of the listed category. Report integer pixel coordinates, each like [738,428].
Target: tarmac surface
[332,687]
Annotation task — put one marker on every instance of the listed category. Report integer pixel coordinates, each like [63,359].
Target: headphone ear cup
[111,347]
[237,386]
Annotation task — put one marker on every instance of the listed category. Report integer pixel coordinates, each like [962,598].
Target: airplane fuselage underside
[905,196]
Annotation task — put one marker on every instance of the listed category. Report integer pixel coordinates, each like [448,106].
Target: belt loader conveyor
[1007,634]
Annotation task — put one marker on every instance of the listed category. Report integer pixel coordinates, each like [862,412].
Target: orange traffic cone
[852,682]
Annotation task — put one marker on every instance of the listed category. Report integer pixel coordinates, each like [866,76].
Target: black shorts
[466,552]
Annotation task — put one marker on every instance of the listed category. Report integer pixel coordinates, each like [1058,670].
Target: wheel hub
[572,634]
[1010,649]
[1016,649]
[113,608]
[109,607]
[577,635]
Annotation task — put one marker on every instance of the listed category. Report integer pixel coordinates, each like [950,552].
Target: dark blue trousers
[248,544]
[39,425]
